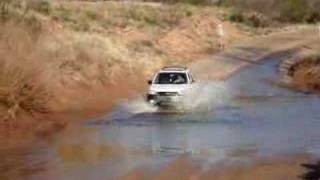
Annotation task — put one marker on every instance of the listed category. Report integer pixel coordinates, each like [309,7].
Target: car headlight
[152,92]
[180,93]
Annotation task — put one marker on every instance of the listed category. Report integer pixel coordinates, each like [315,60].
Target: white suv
[169,86]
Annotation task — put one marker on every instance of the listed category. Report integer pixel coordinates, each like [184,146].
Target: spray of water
[127,109]
[206,96]
[202,97]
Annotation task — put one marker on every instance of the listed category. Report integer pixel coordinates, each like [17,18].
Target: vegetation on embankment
[261,16]
[306,74]
[264,13]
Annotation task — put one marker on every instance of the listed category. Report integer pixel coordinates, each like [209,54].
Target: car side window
[190,78]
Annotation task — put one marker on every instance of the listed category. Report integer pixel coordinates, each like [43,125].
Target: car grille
[167,93]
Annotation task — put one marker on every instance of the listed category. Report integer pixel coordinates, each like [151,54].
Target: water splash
[202,97]
[206,96]
[126,109]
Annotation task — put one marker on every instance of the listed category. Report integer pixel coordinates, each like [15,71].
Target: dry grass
[192,27]
[22,90]
[103,16]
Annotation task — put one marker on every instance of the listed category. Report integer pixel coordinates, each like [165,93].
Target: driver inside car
[178,79]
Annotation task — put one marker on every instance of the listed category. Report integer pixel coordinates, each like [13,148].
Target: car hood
[180,88]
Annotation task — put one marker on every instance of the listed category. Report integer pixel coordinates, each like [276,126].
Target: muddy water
[248,116]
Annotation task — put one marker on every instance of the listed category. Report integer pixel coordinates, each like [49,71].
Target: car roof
[174,69]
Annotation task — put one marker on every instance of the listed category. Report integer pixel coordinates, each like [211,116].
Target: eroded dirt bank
[303,74]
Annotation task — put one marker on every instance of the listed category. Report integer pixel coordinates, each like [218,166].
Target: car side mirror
[149,82]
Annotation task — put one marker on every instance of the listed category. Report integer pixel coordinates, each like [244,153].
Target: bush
[92,15]
[312,17]
[41,6]
[293,10]
[258,20]
[19,90]
[143,15]
[236,16]
[64,14]
[22,90]
[194,2]
[4,10]
[252,19]
[140,15]
[197,2]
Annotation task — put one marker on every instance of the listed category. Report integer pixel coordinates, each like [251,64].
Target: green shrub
[252,19]
[312,17]
[197,2]
[293,10]
[257,20]
[236,16]
[83,25]
[4,10]
[189,13]
[151,20]
[92,15]
[143,15]
[41,6]
[193,2]
[64,13]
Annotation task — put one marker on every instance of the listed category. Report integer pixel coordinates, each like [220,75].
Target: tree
[293,10]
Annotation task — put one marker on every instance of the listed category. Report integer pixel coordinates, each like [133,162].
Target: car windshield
[171,78]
